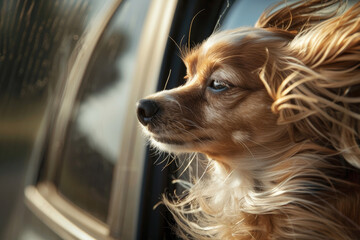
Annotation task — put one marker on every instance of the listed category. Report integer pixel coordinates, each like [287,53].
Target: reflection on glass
[87,163]
[36,40]
[91,146]
[32,32]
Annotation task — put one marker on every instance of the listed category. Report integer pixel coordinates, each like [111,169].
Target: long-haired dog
[276,109]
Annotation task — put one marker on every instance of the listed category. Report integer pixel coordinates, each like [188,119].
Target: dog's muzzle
[146,111]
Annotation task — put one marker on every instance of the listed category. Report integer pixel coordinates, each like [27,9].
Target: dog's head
[261,87]
[223,108]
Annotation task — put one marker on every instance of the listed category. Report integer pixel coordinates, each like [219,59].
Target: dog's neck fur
[291,180]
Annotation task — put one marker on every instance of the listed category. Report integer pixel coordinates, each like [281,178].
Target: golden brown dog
[276,109]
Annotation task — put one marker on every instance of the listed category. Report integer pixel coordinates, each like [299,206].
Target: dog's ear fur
[320,98]
[297,16]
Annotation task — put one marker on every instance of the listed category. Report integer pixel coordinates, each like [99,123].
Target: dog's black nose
[146,110]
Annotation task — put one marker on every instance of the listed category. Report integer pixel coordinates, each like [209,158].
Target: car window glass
[91,146]
[245,13]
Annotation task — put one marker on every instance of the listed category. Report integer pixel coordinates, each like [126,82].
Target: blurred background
[36,39]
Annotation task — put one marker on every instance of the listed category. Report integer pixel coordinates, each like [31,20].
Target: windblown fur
[283,139]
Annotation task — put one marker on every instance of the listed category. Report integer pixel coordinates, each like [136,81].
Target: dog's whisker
[170,159]
[190,28]
[191,161]
[167,80]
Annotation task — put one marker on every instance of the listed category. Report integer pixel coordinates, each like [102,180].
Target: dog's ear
[320,97]
[297,16]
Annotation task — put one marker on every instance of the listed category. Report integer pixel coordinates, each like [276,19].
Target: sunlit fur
[282,140]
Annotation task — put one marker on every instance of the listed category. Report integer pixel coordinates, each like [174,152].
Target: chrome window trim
[43,200]
[52,217]
[132,147]
[62,217]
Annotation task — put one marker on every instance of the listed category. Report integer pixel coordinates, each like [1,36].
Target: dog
[276,110]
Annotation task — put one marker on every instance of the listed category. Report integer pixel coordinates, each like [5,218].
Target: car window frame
[42,199]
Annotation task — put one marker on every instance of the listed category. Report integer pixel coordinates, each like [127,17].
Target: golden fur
[282,136]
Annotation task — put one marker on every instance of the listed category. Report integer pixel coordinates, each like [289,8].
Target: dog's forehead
[220,46]
[216,51]
[230,37]
[200,60]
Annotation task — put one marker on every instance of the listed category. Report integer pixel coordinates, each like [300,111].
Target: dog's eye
[218,86]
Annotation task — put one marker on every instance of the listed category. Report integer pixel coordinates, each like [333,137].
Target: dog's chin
[176,143]
[171,145]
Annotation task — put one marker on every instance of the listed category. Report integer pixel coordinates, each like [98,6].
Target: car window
[91,149]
